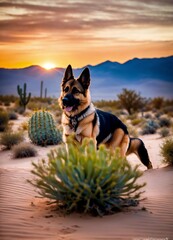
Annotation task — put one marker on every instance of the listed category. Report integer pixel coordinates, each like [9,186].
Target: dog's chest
[81,128]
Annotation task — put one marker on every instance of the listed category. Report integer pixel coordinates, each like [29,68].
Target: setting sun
[48,65]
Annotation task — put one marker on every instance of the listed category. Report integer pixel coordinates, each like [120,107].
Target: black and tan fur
[81,118]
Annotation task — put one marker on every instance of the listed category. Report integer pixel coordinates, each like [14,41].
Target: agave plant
[83,179]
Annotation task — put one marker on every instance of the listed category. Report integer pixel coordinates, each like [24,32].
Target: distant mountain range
[150,76]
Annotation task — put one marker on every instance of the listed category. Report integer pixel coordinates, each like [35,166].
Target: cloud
[37,29]
[22,20]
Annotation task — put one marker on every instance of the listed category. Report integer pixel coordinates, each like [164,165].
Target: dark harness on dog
[74,121]
[108,123]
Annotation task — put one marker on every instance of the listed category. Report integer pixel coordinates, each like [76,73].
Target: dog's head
[75,95]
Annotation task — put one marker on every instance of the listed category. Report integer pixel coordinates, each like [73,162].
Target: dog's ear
[84,78]
[67,75]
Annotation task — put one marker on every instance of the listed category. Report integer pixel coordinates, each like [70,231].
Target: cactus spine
[24,100]
[42,130]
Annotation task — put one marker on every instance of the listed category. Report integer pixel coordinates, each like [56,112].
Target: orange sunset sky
[35,32]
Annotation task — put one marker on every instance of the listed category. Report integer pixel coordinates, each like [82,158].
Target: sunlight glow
[48,65]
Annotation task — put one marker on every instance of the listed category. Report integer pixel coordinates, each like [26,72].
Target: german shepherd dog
[82,119]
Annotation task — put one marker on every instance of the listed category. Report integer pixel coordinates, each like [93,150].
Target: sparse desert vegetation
[167,151]
[39,124]
[4,118]
[24,150]
[8,139]
[164,132]
[86,180]
[142,116]
[154,121]
[58,180]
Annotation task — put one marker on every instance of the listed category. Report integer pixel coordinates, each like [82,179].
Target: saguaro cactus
[41,89]
[24,100]
[45,93]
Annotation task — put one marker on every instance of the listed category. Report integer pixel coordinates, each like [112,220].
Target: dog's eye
[75,90]
[66,89]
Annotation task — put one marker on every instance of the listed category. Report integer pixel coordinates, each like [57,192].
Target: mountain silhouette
[150,76]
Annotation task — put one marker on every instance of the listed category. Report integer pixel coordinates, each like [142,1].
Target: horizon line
[87,65]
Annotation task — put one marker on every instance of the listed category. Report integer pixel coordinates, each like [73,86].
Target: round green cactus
[83,179]
[42,130]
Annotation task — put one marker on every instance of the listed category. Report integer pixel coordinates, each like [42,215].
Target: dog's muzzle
[70,103]
[65,101]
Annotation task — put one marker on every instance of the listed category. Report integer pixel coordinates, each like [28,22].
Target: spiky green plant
[24,100]
[42,130]
[83,179]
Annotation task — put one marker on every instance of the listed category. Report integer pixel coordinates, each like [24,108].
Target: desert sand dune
[25,217]
[22,216]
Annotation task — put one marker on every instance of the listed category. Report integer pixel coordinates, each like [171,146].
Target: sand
[23,216]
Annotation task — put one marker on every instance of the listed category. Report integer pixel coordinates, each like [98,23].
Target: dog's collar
[74,121]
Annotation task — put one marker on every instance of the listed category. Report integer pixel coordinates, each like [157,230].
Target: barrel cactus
[42,130]
[83,179]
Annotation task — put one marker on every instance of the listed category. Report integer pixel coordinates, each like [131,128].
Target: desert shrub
[158,114]
[150,127]
[168,110]
[47,100]
[105,103]
[131,101]
[12,116]
[9,139]
[157,102]
[121,112]
[19,110]
[7,98]
[132,116]
[24,150]
[3,120]
[148,116]
[136,121]
[35,105]
[38,103]
[55,107]
[164,132]
[133,131]
[83,179]
[164,122]
[166,151]
[7,104]
[24,126]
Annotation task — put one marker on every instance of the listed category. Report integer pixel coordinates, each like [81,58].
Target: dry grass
[9,139]
[24,150]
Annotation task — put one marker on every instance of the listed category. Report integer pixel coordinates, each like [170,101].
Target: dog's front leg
[95,143]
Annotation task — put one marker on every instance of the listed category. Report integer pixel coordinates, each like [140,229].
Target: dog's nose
[65,101]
